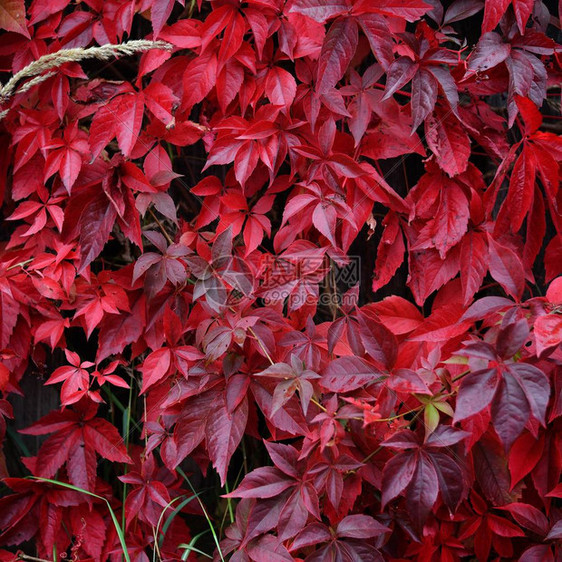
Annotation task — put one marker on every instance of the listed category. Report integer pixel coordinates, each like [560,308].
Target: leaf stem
[314,401]
[22,556]
[251,330]
[161,227]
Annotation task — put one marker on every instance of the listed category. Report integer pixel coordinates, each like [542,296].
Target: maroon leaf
[506,268]
[521,188]
[223,434]
[555,532]
[263,482]
[337,50]
[448,141]
[320,10]
[349,373]
[510,410]
[397,474]
[360,527]
[529,517]
[489,52]
[475,393]
[474,263]
[424,96]
[491,471]
[96,222]
[535,385]
[453,482]
[422,491]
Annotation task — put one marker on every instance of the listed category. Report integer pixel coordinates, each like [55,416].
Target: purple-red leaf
[337,51]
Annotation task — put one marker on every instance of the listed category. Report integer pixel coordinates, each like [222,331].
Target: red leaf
[390,253]
[378,341]
[160,100]
[155,367]
[360,527]
[448,141]
[396,475]
[348,373]
[493,12]
[536,386]
[12,16]
[453,482]
[199,78]
[502,527]
[529,517]
[506,268]
[553,256]
[223,434]
[428,272]
[524,456]
[556,531]
[491,470]
[103,127]
[474,263]
[105,439]
[407,381]
[119,330]
[263,482]
[410,10]
[462,9]
[490,50]
[128,117]
[445,436]
[375,29]
[320,10]
[96,222]
[424,96]
[397,314]
[523,9]
[324,219]
[450,223]
[337,51]
[510,411]
[269,547]
[401,71]
[280,87]
[538,553]
[521,189]
[159,13]
[475,393]
[422,491]
[548,332]
[96,526]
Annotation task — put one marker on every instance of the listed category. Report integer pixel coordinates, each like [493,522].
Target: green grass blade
[170,518]
[191,546]
[111,512]
[209,522]
[189,549]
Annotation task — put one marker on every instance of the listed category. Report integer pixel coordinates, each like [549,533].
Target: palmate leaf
[114,520]
[78,436]
[422,471]
[516,393]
